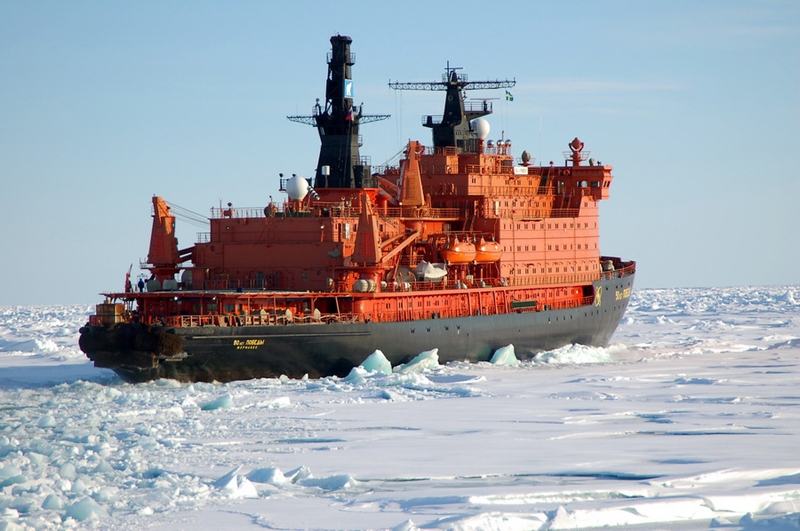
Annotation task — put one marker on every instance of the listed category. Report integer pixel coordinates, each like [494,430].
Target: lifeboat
[488,252]
[458,252]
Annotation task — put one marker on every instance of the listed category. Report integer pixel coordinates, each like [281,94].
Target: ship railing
[551,278]
[621,269]
[244,212]
[384,169]
[432,119]
[434,285]
[234,320]
[444,150]
[478,106]
[396,287]
[280,210]
[345,210]
[479,283]
[396,315]
[328,209]
[424,212]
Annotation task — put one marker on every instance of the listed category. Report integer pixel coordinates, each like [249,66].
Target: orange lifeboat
[459,252]
[488,252]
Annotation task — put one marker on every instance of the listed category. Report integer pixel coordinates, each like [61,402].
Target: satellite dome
[481,127]
[297,188]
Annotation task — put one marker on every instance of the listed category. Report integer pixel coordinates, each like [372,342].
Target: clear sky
[696,104]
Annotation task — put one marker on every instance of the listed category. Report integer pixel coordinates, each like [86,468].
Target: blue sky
[696,104]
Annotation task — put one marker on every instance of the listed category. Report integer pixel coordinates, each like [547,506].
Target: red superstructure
[535,226]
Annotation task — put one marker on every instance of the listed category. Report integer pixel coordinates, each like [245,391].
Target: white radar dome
[297,188]
[481,127]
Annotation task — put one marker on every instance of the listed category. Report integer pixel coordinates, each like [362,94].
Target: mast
[453,128]
[339,164]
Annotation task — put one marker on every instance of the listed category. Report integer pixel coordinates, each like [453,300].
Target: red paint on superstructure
[506,234]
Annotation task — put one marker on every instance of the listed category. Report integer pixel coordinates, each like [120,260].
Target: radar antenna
[453,128]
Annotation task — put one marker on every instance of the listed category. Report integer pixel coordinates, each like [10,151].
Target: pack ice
[690,419]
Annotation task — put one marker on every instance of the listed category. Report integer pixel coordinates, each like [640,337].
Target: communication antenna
[453,128]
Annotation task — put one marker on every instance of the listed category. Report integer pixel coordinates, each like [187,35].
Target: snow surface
[689,420]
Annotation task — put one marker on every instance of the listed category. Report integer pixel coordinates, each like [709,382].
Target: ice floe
[689,420]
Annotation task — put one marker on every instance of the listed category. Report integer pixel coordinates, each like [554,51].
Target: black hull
[244,352]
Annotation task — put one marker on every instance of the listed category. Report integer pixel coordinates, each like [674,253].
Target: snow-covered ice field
[690,420]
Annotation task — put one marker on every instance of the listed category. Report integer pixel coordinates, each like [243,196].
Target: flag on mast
[509,97]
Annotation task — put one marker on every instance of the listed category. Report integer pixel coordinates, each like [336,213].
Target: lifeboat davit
[458,252]
[488,252]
